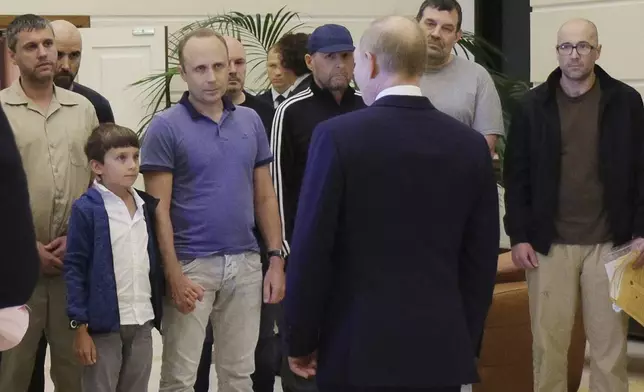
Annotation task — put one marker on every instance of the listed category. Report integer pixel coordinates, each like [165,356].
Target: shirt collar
[194,113]
[406,89]
[108,193]
[299,80]
[284,94]
[17,95]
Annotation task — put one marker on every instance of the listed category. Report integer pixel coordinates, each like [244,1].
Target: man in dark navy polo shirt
[206,160]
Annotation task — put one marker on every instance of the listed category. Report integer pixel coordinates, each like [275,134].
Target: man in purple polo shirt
[207,162]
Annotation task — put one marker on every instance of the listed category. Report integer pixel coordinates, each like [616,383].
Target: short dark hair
[292,48]
[442,5]
[108,136]
[26,22]
[202,32]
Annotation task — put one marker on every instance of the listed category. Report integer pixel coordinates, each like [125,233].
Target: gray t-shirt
[465,90]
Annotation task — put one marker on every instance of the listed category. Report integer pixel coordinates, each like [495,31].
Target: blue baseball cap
[330,38]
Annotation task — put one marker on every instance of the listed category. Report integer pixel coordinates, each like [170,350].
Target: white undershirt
[407,89]
[129,237]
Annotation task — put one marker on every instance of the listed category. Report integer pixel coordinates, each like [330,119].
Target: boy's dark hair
[292,47]
[26,22]
[442,5]
[108,136]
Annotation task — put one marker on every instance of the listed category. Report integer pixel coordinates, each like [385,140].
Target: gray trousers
[123,361]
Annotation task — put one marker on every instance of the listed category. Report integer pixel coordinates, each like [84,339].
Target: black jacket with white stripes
[293,125]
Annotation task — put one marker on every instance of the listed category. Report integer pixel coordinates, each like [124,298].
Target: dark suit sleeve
[310,265]
[516,178]
[282,170]
[638,143]
[19,263]
[76,266]
[478,262]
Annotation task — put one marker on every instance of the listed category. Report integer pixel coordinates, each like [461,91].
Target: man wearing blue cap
[330,59]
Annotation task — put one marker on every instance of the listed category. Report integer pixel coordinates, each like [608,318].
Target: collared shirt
[409,90]
[129,238]
[51,144]
[212,165]
[276,95]
[298,81]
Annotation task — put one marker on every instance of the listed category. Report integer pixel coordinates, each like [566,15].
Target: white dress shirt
[406,89]
[129,237]
[275,95]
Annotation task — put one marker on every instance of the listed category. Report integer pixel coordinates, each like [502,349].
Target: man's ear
[373,65]
[308,59]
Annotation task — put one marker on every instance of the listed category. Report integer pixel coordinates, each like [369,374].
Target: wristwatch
[73,324]
[275,253]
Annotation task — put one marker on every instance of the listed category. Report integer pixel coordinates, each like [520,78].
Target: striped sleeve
[281,164]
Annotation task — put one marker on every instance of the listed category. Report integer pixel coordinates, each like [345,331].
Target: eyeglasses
[583,48]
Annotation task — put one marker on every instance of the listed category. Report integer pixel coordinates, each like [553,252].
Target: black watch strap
[275,253]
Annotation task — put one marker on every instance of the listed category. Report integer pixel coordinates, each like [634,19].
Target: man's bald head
[578,49]
[578,29]
[398,44]
[69,44]
[237,65]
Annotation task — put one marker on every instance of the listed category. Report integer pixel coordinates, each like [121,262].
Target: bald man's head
[237,65]
[578,49]
[393,46]
[69,44]
[579,28]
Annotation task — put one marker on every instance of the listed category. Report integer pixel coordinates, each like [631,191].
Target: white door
[116,57]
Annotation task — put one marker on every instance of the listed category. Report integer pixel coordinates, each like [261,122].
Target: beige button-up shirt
[51,144]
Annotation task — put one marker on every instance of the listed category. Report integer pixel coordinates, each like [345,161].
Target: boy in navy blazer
[112,269]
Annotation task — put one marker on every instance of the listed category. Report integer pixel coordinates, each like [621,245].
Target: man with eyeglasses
[574,177]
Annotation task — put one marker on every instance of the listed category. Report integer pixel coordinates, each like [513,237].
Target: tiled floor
[635,353]
[635,368]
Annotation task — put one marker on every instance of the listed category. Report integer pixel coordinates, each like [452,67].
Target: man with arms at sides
[51,126]
[574,177]
[281,79]
[267,346]
[70,46]
[454,84]
[435,284]
[206,160]
[330,58]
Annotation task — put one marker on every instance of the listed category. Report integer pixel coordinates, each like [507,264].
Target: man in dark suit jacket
[394,254]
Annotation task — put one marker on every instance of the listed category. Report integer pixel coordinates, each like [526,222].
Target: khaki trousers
[568,274]
[48,305]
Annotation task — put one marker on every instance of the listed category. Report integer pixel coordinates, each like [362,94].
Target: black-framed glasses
[583,48]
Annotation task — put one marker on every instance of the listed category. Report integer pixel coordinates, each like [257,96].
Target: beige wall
[620,33]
